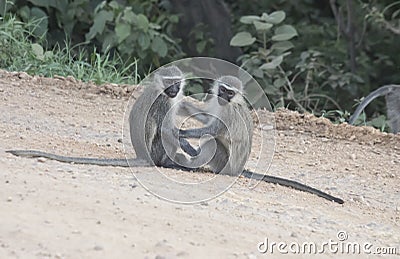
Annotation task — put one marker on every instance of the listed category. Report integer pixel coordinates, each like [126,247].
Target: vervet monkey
[392,93]
[158,98]
[148,141]
[231,126]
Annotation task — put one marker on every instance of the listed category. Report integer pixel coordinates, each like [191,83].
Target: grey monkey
[159,133]
[231,126]
[158,98]
[392,93]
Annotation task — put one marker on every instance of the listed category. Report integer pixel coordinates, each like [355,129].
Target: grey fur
[232,127]
[393,109]
[147,139]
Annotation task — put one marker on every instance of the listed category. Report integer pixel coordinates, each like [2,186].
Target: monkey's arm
[293,184]
[135,162]
[171,135]
[212,129]
[185,145]
[188,109]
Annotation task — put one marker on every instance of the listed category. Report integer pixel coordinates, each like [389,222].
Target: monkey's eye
[177,83]
[230,93]
[222,89]
[171,82]
[168,82]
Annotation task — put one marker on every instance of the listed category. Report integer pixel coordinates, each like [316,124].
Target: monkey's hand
[185,145]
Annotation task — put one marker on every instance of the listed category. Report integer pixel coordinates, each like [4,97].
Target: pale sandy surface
[56,210]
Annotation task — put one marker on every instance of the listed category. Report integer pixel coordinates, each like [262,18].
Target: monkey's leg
[293,184]
[208,154]
[179,158]
[220,162]
[81,160]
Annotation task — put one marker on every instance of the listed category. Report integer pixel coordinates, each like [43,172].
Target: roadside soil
[50,209]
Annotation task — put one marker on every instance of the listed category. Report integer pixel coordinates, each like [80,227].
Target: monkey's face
[225,94]
[172,87]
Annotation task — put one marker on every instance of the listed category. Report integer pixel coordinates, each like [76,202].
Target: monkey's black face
[225,95]
[172,87]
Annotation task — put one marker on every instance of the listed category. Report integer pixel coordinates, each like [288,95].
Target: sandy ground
[57,210]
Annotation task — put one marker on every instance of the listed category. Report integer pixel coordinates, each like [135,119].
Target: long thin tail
[383,90]
[293,184]
[121,162]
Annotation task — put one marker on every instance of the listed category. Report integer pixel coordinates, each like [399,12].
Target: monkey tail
[121,162]
[293,184]
[383,90]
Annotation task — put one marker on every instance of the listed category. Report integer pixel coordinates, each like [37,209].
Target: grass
[21,50]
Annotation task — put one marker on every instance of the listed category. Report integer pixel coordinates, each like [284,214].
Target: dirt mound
[322,127]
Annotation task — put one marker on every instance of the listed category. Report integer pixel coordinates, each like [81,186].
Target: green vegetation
[314,56]
[19,53]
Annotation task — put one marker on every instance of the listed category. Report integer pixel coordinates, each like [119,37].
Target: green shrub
[133,29]
[18,53]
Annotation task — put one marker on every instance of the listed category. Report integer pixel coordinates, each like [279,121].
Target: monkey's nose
[172,94]
[172,91]
[223,100]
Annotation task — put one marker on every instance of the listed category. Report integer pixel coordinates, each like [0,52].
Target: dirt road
[56,210]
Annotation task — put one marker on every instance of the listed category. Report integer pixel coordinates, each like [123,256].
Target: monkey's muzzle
[173,90]
[223,99]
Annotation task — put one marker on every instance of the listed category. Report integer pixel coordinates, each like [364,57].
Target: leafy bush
[18,53]
[132,29]
[266,42]
[132,34]
[319,75]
